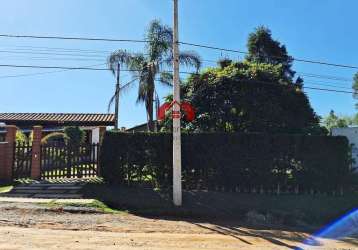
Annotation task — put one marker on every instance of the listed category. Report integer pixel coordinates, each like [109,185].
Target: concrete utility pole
[177,187]
[116,108]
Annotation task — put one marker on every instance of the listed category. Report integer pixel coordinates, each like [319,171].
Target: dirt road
[26,227]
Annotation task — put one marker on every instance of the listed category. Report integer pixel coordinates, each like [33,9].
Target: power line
[73,38]
[42,73]
[90,57]
[331,90]
[326,85]
[37,58]
[330,77]
[304,87]
[183,43]
[54,67]
[92,54]
[305,74]
[48,53]
[293,58]
[79,68]
[128,70]
[213,48]
[81,59]
[24,47]
[65,68]
[309,75]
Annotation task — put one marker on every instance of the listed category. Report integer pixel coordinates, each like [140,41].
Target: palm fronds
[187,58]
[160,40]
[145,67]
[191,59]
[166,78]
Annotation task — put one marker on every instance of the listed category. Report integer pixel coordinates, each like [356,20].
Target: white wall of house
[95,135]
[95,139]
[352,135]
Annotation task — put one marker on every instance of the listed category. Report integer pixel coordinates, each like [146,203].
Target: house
[56,122]
[142,128]
[352,135]
[138,128]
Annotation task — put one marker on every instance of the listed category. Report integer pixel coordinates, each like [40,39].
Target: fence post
[7,153]
[3,162]
[97,148]
[36,153]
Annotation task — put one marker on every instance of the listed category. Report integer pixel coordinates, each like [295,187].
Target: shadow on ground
[286,210]
[274,218]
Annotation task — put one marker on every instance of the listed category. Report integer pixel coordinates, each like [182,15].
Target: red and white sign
[186,107]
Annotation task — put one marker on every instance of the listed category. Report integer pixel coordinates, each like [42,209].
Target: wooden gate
[22,161]
[59,160]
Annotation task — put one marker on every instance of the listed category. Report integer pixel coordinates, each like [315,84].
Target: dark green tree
[262,48]
[150,67]
[335,121]
[249,97]
[258,94]
[355,87]
[74,136]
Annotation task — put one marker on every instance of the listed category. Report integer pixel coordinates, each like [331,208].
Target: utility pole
[177,185]
[116,108]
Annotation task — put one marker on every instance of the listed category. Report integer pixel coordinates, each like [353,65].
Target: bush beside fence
[229,161]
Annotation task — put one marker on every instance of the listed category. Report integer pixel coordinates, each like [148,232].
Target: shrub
[229,161]
[53,137]
[74,136]
[20,137]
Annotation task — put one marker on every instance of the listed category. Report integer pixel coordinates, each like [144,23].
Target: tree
[20,137]
[74,136]
[258,94]
[355,120]
[334,121]
[262,48]
[355,88]
[249,97]
[54,137]
[145,67]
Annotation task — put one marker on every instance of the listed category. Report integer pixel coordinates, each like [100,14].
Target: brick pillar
[10,138]
[7,153]
[36,152]
[3,162]
[10,134]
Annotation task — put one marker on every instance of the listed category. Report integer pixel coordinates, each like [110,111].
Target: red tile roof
[61,119]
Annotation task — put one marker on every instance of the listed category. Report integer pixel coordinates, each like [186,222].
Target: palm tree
[151,67]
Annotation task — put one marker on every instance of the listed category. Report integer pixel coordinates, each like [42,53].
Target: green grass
[5,188]
[98,205]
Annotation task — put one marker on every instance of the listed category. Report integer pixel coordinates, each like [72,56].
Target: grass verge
[5,188]
[96,205]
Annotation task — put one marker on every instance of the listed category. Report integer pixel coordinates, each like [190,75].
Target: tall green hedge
[229,161]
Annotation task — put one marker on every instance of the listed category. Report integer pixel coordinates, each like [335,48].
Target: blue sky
[320,30]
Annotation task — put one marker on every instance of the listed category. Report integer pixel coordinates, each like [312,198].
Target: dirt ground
[26,226]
